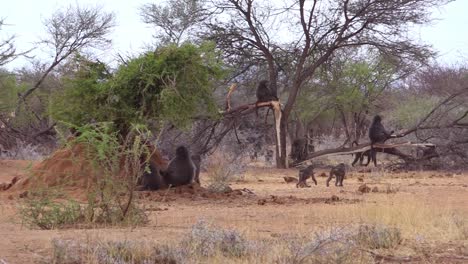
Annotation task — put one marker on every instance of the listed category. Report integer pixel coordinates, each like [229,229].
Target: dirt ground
[421,204]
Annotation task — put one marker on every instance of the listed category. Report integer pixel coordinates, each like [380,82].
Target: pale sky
[448,35]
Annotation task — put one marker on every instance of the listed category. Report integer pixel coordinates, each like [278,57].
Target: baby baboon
[153,179]
[197,161]
[181,169]
[305,174]
[377,134]
[265,94]
[339,172]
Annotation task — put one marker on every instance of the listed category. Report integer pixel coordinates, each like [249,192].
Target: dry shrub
[206,240]
[224,167]
[378,237]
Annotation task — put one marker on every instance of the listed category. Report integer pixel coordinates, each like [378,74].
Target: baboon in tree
[360,156]
[197,161]
[265,94]
[377,134]
[305,174]
[181,169]
[339,172]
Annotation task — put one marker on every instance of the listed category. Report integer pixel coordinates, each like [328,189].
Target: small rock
[323,175]
[375,189]
[289,179]
[335,198]
[23,194]
[364,188]
[261,202]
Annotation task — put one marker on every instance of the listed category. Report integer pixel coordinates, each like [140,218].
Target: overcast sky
[448,35]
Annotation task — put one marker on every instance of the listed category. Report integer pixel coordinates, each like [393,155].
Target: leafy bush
[41,210]
[110,199]
[171,84]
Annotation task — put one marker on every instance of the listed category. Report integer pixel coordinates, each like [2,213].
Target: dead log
[384,148]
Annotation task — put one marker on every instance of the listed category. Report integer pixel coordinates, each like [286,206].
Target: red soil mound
[66,166]
[69,167]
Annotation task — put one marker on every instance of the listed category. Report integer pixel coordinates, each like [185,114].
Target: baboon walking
[305,174]
[339,172]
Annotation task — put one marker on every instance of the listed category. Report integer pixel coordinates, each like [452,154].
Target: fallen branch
[384,148]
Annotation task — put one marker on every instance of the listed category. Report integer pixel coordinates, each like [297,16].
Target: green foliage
[410,109]
[348,85]
[110,197]
[84,97]
[171,84]
[42,209]
[9,90]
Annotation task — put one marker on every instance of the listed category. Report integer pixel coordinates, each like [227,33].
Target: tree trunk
[281,154]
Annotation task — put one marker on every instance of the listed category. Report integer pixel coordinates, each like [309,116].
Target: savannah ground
[429,208]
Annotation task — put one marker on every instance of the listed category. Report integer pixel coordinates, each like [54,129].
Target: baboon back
[181,169]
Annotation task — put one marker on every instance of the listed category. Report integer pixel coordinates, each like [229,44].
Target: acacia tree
[7,48]
[174,20]
[317,29]
[69,31]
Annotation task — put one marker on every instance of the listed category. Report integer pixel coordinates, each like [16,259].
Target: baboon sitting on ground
[181,169]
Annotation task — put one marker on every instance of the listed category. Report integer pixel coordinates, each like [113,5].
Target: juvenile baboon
[377,134]
[305,174]
[181,169]
[339,172]
[265,94]
[153,179]
[197,162]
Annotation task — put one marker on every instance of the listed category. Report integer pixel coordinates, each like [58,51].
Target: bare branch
[70,31]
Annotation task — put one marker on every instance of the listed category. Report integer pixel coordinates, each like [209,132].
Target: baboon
[305,174]
[339,172]
[265,94]
[197,162]
[299,150]
[153,179]
[377,134]
[360,156]
[181,169]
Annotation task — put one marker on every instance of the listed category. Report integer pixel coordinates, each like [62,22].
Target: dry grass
[421,209]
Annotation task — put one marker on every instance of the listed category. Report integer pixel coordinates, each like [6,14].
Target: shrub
[40,210]
[206,241]
[110,197]
[222,168]
[378,236]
